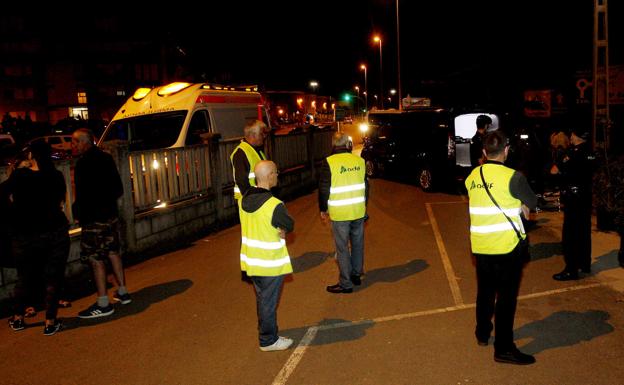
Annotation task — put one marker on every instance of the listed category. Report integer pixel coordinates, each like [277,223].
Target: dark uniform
[576,171]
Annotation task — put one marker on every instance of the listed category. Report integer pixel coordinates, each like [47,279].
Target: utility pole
[600,81]
[398,57]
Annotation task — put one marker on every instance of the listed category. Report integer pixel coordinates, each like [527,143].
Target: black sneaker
[482,340]
[95,311]
[17,324]
[49,330]
[123,298]
[514,356]
[356,280]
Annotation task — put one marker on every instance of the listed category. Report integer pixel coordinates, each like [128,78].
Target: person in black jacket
[576,170]
[98,186]
[476,143]
[39,230]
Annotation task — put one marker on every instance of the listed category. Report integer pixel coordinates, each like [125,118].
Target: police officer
[576,173]
[342,198]
[495,243]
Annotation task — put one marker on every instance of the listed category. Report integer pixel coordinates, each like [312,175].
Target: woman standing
[39,231]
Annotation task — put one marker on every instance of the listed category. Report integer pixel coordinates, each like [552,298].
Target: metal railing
[161,177]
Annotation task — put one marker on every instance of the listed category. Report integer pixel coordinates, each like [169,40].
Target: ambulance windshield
[147,132]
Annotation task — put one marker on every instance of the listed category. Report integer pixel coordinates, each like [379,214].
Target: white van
[182,114]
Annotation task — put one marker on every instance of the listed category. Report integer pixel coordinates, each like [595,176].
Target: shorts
[99,239]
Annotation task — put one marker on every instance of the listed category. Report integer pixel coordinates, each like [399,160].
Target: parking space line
[448,267]
[306,341]
[295,357]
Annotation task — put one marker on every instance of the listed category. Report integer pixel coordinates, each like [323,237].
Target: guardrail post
[126,203]
[310,149]
[215,174]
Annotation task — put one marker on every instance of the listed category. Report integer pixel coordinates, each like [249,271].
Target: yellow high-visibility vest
[253,157]
[490,231]
[347,195]
[263,253]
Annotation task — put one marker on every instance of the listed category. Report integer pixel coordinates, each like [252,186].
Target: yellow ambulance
[182,114]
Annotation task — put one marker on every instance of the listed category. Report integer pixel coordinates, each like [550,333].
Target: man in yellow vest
[343,191]
[264,224]
[495,228]
[246,155]
[244,158]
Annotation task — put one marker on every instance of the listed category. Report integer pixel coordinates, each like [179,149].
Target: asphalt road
[193,321]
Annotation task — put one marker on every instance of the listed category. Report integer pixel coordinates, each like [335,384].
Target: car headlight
[363,128]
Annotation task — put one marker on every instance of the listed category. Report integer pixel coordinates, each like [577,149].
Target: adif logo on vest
[349,169]
[479,185]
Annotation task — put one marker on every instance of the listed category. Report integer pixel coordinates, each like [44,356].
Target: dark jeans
[576,233]
[41,260]
[267,296]
[498,281]
[349,262]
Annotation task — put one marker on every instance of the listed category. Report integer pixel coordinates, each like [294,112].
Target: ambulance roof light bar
[173,88]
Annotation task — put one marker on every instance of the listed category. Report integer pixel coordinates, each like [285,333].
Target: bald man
[264,224]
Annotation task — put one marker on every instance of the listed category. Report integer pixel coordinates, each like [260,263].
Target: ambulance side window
[198,129]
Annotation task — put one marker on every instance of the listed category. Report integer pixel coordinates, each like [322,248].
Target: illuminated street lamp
[392,93]
[377,39]
[363,67]
[357,102]
[314,86]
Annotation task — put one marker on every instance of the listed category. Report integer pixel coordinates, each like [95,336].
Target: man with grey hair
[98,186]
[246,155]
[343,193]
[244,159]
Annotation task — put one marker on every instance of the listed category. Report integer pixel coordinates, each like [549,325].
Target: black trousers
[576,233]
[498,281]
[41,260]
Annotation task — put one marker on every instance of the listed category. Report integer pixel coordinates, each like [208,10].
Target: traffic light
[346,97]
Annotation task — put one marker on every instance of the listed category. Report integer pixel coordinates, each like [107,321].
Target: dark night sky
[284,45]
[485,47]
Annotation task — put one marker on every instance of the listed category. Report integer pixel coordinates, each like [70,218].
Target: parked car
[57,142]
[6,140]
[416,143]
[8,149]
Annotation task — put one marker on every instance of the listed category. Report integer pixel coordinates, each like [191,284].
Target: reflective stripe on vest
[347,192]
[490,231]
[253,157]
[263,252]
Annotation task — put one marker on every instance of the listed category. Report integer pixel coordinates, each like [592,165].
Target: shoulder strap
[487,190]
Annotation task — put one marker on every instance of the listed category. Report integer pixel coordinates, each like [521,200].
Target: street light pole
[398,57]
[378,39]
[357,101]
[362,66]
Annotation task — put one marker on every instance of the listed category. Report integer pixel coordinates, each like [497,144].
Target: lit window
[82,97]
[121,93]
[79,112]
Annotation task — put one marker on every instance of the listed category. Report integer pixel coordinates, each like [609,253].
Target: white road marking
[295,357]
[448,267]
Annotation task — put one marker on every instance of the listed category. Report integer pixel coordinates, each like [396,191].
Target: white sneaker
[282,343]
